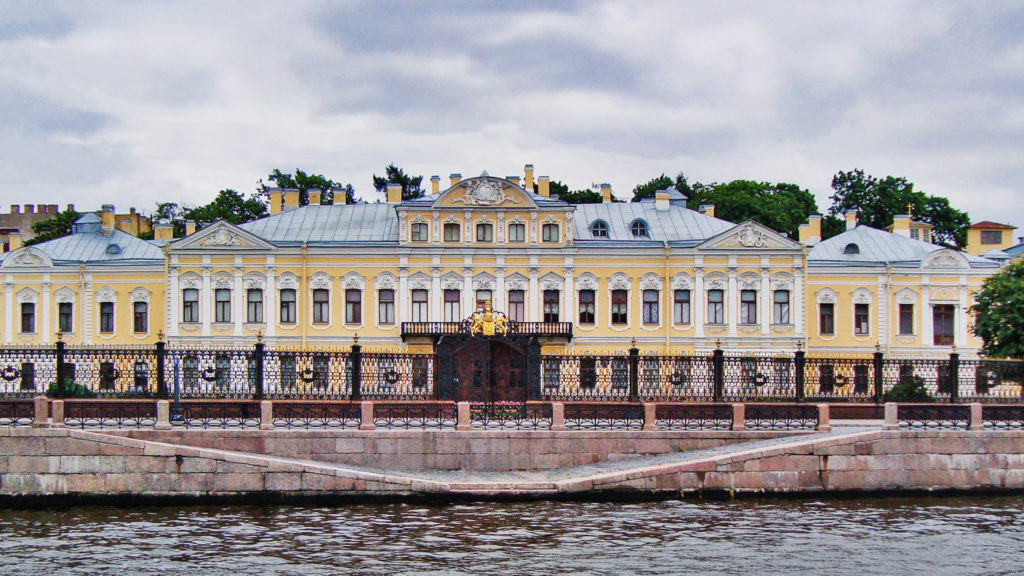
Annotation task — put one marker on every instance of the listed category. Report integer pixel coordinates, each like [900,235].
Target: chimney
[851,219]
[30,209]
[190,227]
[435,184]
[528,181]
[71,207]
[15,209]
[13,241]
[606,193]
[544,186]
[810,233]
[291,199]
[661,200]
[275,200]
[394,193]
[314,197]
[454,179]
[513,179]
[901,225]
[707,210]
[163,231]
[340,196]
[107,216]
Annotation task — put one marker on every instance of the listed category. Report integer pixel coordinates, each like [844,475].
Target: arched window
[851,248]
[599,229]
[638,228]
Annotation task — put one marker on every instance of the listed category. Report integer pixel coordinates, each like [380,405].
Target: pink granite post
[823,418]
[650,415]
[366,415]
[57,414]
[977,421]
[163,415]
[42,412]
[739,417]
[464,422]
[892,417]
[266,415]
[557,417]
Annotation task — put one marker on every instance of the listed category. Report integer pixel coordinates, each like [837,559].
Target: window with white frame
[287,306]
[780,312]
[484,233]
[222,305]
[650,307]
[254,306]
[716,307]
[321,306]
[748,307]
[353,306]
[190,305]
[420,306]
[419,232]
[516,305]
[587,305]
[386,306]
[681,307]
[452,312]
[517,232]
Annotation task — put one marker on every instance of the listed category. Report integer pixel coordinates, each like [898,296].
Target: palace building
[401,274]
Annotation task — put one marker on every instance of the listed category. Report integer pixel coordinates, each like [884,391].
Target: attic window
[638,228]
[851,248]
[599,229]
[113,249]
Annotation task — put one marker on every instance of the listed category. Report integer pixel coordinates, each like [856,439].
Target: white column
[88,313]
[533,314]
[173,298]
[238,303]
[960,319]
[500,300]
[47,332]
[732,303]
[797,312]
[468,294]
[206,302]
[403,296]
[435,295]
[697,304]
[569,297]
[270,312]
[927,338]
[767,303]
[883,312]
[8,310]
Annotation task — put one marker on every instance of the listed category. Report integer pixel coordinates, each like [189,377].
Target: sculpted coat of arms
[486,192]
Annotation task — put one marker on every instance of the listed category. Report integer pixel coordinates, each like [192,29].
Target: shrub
[909,390]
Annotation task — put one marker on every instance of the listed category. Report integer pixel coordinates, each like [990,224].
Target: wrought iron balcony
[436,329]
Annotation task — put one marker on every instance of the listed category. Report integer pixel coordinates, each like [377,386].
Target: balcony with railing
[437,329]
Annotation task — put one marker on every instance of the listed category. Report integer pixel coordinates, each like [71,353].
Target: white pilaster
[271,314]
[88,312]
[435,295]
[500,299]
[46,331]
[468,293]
[533,314]
[732,303]
[173,298]
[797,312]
[8,310]
[882,316]
[767,303]
[206,302]
[961,317]
[697,303]
[238,300]
[403,295]
[927,337]
[569,297]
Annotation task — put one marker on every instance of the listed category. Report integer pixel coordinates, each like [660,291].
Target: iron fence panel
[316,414]
[676,378]
[110,371]
[511,415]
[839,378]
[321,374]
[986,380]
[1003,417]
[608,416]
[403,376]
[693,416]
[934,416]
[421,415]
[585,377]
[211,372]
[109,414]
[781,416]
[215,414]
[17,413]
[27,371]
[751,378]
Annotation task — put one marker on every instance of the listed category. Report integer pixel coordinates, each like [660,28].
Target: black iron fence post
[954,376]
[718,371]
[161,374]
[879,363]
[799,361]
[634,372]
[61,368]
[257,357]
[356,357]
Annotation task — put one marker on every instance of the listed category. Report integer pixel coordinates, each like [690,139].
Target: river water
[976,535]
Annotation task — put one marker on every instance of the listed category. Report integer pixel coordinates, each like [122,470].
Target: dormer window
[851,248]
[639,229]
[599,229]
[113,249]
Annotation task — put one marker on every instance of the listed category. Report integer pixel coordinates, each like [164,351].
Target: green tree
[583,196]
[304,182]
[395,175]
[647,189]
[57,226]
[999,313]
[782,207]
[229,205]
[878,201]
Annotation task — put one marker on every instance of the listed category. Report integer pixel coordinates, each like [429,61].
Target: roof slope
[92,247]
[880,247]
[677,224]
[339,223]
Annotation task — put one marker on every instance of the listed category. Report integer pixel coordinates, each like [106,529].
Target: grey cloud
[33,115]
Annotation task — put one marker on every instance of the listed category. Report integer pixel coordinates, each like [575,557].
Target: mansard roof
[878,248]
[677,224]
[92,246]
[336,224]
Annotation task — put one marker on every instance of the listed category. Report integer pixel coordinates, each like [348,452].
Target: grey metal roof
[363,223]
[677,224]
[428,200]
[878,247]
[92,247]
[1015,250]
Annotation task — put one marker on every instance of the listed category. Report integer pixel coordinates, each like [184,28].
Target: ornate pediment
[485,192]
[945,259]
[222,235]
[750,235]
[27,256]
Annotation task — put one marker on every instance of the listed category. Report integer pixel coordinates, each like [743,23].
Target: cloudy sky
[140,102]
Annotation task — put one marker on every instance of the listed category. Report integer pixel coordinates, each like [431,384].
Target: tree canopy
[582,196]
[395,175]
[304,182]
[57,226]
[229,205]
[782,206]
[878,201]
[999,313]
[647,189]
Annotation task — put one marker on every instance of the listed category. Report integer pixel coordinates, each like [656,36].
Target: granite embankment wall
[48,461]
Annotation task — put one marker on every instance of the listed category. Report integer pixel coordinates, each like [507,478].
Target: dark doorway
[486,369]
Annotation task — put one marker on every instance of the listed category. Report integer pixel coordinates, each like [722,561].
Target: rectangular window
[942,324]
[451,306]
[516,305]
[419,232]
[420,306]
[748,307]
[517,233]
[222,305]
[906,319]
[681,307]
[65,318]
[915,233]
[353,306]
[587,307]
[386,306]
[140,317]
[549,233]
[451,232]
[716,307]
[650,306]
[826,319]
[780,314]
[551,305]
[991,236]
[484,233]
[861,319]
[106,317]
[254,306]
[483,297]
[620,307]
[28,318]
[190,305]
[288,306]
[321,306]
